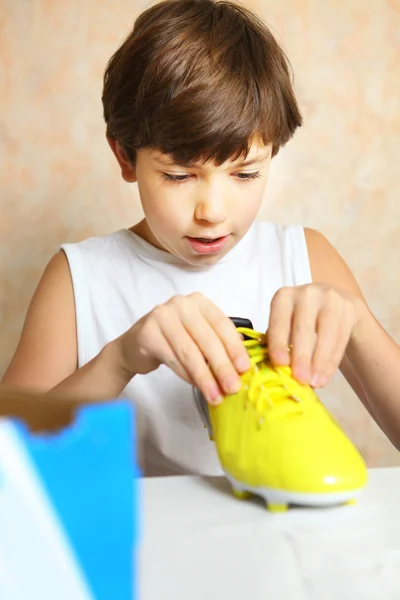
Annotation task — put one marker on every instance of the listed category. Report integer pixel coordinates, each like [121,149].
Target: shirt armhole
[300,261]
[79,275]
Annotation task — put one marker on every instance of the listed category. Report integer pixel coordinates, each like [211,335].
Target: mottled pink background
[341,174]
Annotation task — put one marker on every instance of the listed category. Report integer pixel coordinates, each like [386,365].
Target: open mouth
[208,240]
[208,245]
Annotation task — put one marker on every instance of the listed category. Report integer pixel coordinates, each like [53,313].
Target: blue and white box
[69,507]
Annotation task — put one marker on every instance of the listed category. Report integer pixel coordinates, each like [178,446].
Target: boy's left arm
[371,363]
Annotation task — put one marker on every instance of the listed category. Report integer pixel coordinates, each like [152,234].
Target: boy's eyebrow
[252,161]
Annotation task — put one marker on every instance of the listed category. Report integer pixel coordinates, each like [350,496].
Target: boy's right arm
[47,357]
[188,333]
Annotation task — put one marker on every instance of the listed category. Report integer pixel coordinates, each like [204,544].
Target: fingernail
[318,380]
[243,364]
[303,374]
[281,357]
[232,384]
[214,395]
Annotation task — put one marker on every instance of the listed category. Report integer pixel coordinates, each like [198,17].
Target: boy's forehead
[258,152]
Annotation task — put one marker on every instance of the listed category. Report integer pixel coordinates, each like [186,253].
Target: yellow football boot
[275,439]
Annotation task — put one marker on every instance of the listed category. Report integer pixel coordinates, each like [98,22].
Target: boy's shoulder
[109,245]
[284,234]
[106,240]
[95,252]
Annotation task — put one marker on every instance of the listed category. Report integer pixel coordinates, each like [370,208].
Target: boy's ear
[128,170]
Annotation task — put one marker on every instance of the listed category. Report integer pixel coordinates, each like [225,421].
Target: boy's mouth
[207,245]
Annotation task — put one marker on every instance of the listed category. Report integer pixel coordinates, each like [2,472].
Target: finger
[333,334]
[190,357]
[215,352]
[164,354]
[169,358]
[230,342]
[279,327]
[303,336]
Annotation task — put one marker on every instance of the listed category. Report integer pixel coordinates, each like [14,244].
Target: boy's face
[197,212]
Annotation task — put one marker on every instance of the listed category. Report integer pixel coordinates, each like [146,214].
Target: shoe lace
[271,391]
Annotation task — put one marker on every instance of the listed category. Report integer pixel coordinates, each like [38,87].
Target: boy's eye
[248,176]
[176,178]
[183,178]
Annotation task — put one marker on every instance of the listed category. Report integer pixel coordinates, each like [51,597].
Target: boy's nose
[212,209]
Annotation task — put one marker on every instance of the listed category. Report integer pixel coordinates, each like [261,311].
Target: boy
[197,101]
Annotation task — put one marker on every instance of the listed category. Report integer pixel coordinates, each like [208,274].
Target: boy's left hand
[316,321]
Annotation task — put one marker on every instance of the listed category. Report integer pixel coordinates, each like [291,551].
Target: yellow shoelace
[270,387]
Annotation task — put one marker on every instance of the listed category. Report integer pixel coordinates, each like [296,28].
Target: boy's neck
[143,230]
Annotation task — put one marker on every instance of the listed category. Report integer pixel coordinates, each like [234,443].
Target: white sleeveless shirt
[120,277]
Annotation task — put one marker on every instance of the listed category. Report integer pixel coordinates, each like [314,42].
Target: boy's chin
[203,260]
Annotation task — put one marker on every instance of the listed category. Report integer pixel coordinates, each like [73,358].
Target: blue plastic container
[69,508]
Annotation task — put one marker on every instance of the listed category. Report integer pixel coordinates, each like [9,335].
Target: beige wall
[341,174]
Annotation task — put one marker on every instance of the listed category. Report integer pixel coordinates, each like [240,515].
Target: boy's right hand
[195,339]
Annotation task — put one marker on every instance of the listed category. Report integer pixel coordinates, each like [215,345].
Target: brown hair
[199,80]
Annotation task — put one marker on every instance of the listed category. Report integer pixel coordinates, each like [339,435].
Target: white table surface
[200,543]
